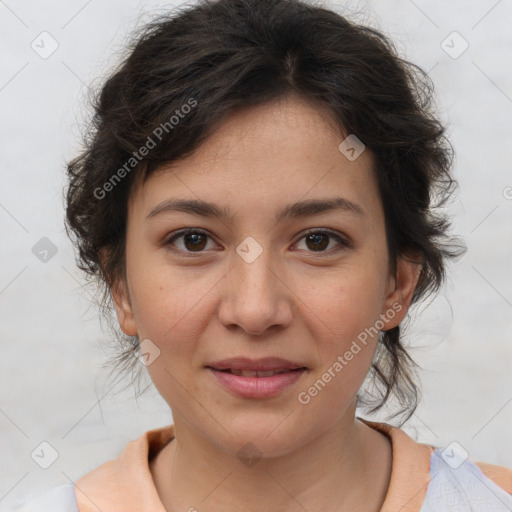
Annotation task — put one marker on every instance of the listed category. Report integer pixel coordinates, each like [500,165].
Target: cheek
[342,312]
[343,303]
[171,306]
[345,341]
[172,310]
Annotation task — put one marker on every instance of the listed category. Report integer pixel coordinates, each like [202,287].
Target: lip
[262,364]
[257,387]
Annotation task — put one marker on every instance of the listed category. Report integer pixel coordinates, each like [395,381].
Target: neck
[333,472]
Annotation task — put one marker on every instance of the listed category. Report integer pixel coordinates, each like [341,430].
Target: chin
[254,436]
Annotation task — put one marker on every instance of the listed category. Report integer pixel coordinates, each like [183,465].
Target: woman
[257,199]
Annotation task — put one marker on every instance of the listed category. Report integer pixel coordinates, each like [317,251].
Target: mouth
[256,379]
[257,373]
[255,367]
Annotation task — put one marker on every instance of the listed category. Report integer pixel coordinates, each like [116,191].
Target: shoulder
[58,499]
[500,475]
[125,482]
[459,484]
[428,478]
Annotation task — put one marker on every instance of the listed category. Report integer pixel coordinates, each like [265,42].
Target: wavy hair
[229,54]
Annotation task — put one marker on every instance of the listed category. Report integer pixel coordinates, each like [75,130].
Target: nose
[256,297]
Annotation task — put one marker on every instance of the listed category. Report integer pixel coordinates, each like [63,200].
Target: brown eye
[193,240]
[319,241]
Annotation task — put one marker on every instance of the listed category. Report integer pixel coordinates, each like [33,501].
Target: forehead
[266,155]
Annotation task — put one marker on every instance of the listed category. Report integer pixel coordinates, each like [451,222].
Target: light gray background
[52,383]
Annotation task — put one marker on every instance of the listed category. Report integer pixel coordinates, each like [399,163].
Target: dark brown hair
[186,71]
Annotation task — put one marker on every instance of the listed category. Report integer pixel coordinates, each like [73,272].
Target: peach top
[423,479]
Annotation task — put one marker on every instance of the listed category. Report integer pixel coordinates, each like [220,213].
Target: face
[259,278]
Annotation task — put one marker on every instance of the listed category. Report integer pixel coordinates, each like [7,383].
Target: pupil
[195,238]
[316,238]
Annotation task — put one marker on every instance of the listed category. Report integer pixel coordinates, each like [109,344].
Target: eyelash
[342,241]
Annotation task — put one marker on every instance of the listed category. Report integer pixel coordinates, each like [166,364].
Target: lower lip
[257,387]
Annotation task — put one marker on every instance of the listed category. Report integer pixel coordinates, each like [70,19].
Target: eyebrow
[295,210]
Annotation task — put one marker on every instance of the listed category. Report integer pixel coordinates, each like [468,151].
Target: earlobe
[400,291]
[122,303]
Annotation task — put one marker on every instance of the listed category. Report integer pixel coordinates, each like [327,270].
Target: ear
[400,290]
[121,298]
[122,303]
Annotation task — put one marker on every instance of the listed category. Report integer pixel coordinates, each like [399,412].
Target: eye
[317,240]
[192,240]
